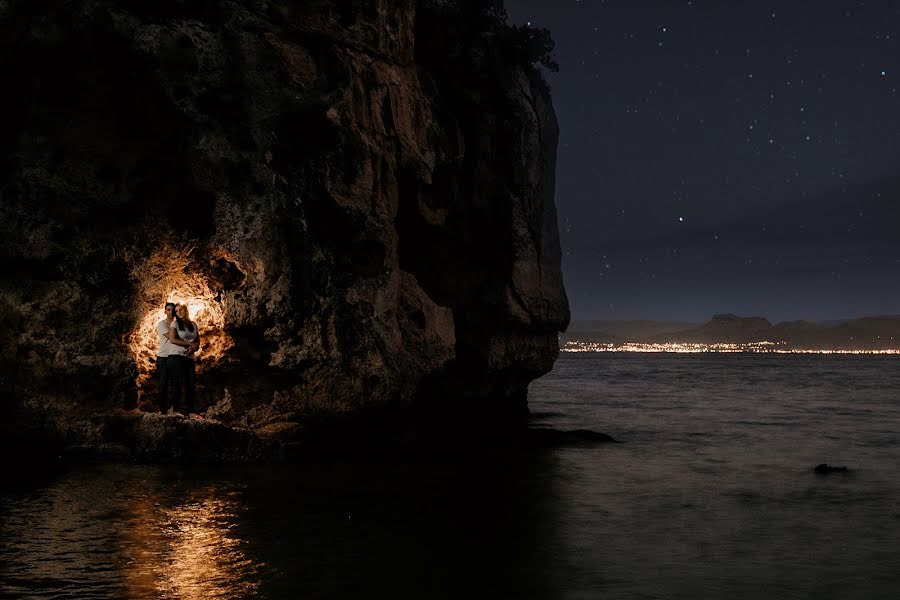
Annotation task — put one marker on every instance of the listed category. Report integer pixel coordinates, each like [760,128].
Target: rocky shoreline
[145,437]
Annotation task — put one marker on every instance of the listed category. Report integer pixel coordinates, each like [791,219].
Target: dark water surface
[712,495]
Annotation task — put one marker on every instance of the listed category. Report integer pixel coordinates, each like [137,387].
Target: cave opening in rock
[174,275]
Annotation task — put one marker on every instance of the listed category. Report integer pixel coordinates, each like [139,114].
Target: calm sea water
[710,495]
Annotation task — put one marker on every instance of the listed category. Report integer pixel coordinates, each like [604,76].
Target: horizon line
[718,314]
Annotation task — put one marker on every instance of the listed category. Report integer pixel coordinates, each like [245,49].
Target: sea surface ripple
[711,494]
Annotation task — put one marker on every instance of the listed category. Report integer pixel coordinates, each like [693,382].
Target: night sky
[726,157]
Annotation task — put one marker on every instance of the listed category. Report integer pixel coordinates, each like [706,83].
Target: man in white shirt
[167,370]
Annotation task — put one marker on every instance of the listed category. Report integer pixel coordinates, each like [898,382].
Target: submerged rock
[357,204]
[542,436]
[824,469]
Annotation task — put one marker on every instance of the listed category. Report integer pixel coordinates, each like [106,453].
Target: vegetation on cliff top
[468,21]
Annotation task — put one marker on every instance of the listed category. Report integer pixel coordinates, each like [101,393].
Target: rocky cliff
[355,199]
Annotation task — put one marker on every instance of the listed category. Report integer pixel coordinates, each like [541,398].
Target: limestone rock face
[355,202]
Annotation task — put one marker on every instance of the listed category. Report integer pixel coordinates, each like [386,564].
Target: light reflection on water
[128,532]
[711,496]
[407,529]
[187,550]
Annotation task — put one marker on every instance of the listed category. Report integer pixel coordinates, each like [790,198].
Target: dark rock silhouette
[544,436]
[824,469]
[361,199]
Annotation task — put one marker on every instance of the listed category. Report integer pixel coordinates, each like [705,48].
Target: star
[649,119]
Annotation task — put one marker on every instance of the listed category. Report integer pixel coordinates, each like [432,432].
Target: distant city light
[763,347]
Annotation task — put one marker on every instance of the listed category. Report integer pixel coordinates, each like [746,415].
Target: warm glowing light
[189,549]
[171,276]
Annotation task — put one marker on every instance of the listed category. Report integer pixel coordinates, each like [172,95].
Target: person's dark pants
[184,381]
[164,370]
[176,369]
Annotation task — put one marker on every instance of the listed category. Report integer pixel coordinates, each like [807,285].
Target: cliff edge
[355,202]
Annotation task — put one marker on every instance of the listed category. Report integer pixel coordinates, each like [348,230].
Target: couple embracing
[179,340]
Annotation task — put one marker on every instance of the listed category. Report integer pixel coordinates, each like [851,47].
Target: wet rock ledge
[356,200]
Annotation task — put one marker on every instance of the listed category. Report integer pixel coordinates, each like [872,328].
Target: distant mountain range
[866,333]
[625,331]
